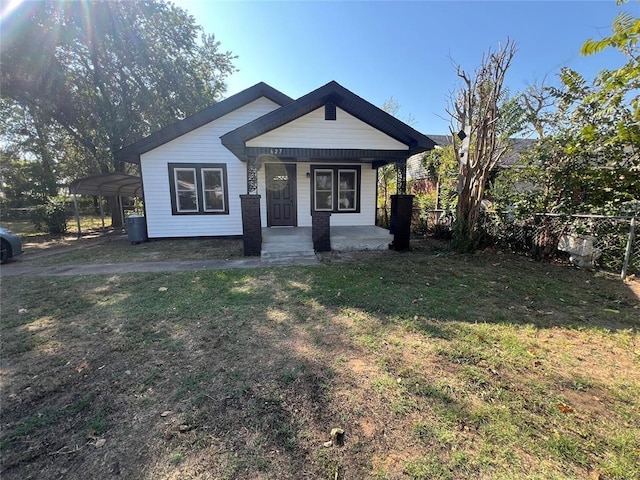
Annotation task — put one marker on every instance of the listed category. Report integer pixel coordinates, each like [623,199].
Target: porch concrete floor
[295,241]
[370,237]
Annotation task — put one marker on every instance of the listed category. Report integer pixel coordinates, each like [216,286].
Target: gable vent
[329,111]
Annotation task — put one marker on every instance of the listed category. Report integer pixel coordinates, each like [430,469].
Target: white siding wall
[367,213]
[262,191]
[201,145]
[313,131]
[304,195]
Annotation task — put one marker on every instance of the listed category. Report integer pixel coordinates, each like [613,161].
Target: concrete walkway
[14,268]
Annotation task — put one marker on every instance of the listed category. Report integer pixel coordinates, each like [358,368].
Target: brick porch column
[321,231]
[401,212]
[251,225]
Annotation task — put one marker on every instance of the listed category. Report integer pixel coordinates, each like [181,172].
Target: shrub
[52,216]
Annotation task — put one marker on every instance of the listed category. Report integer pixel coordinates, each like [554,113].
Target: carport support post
[101,210]
[121,207]
[75,205]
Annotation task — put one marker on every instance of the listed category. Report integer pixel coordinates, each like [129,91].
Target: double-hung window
[347,190]
[198,188]
[213,190]
[336,189]
[186,192]
[323,183]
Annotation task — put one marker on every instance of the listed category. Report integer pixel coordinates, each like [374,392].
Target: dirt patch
[114,247]
[634,285]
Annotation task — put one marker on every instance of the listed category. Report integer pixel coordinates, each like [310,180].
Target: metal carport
[116,185]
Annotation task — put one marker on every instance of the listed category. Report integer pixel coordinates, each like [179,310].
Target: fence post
[627,255]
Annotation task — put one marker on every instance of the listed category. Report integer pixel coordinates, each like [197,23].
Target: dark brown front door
[281,194]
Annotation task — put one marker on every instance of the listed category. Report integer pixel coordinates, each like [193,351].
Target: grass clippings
[435,367]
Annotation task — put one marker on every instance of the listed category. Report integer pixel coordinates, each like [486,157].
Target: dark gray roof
[518,146]
[441,140]
[331,93]
[131,153]
[108,185]
[416,170]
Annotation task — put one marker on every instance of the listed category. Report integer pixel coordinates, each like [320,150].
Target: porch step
[287,250]
[271,255]
[283,243]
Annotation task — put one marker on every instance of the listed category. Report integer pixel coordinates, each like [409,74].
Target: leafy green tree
[27,138]
[94,76]
[586,159]
[16,182]
[442,168]
[615,92]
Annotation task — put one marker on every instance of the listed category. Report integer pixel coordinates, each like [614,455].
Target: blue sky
[402,49]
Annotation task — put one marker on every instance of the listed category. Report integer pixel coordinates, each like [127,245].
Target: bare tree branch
[475,107]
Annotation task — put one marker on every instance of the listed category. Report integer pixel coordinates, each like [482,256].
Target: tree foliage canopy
[80,80]
[587,157]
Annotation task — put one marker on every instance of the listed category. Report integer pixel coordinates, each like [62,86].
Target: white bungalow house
[261,159]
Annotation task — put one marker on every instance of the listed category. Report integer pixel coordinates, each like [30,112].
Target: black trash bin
[136,229]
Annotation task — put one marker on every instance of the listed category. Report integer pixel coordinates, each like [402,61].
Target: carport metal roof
[108,185]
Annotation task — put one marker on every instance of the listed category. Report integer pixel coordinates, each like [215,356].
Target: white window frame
[205,190]
[354,207]
[315,190]
[178,189]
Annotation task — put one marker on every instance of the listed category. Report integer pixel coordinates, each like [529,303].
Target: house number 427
[276,151]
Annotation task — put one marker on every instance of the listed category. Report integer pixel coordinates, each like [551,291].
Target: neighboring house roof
[416,170]
[415,165]
[441,140]
[518,146]
[131,153]
[336,94]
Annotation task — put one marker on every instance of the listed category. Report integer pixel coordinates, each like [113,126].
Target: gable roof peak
[131,153]
[331,92]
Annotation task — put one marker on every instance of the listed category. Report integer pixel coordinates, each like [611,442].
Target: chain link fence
[587,240]
[602,240]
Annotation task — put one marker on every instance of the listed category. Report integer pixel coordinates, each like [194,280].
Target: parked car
[11,245]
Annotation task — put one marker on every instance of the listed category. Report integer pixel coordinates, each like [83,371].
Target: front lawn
[436,367]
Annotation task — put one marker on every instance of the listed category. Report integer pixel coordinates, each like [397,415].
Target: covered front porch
[282,242]
[314,163]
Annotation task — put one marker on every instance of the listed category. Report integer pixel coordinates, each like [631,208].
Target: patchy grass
[100,247]
[26,228]
[436,367]
[116,248]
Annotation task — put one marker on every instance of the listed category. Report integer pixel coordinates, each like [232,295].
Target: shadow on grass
[425,292]
[237,360]
[243,374]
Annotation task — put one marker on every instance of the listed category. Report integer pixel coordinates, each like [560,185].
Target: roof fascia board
[131,153]
[334,93]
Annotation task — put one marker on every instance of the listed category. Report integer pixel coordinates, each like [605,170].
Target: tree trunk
[475,110]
